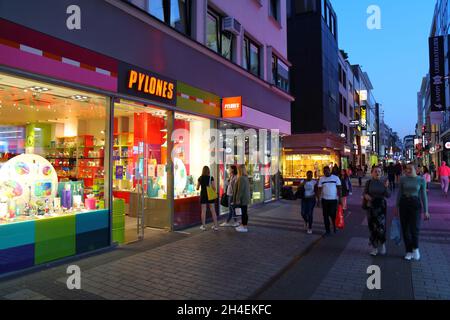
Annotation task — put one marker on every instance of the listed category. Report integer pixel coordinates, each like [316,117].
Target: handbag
[224,200]
[340,217]
[212,195]
[238,211]
[396,232]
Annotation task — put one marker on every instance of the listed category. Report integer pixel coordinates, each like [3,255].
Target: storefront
[309,152]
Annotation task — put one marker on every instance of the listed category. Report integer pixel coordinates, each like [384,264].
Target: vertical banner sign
[363,118]
[437,74]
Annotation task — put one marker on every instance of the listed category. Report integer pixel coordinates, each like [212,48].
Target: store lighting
[38,89]
[78,97]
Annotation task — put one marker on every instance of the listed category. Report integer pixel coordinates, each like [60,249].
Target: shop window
[175,13]
[191,152]
[52,150]
[295,166]
[280,73]
[251,56]
[274,9]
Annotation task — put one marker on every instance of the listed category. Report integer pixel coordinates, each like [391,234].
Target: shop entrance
[139,168]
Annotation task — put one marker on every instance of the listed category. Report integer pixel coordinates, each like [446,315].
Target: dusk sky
[395,57]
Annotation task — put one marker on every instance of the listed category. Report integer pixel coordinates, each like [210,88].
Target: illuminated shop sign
[437,73]
[232,107]
[447,145]
[363,118]
[145,84]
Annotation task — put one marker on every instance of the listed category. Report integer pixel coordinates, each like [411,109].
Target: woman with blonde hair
[241,197]
[203,183]
[412,197]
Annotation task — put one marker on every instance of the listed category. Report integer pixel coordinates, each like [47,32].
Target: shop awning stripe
[198,100]
[49,55]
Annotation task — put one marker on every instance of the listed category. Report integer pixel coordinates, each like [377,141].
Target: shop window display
[51,150]
[295,166]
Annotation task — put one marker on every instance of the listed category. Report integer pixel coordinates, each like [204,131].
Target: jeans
[308,205]
[410,220]
[244,215]
[231,213]
[392,181]
[444,184]
[329,208]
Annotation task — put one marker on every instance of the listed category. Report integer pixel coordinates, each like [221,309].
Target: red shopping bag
[340,217]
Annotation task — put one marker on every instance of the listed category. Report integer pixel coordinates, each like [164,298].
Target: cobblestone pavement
[337,267]
[196,265]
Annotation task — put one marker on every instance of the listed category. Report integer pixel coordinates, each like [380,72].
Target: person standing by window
[411,197]
[230,186]
[329,193]
[241,196]
[375,194]
[203,183]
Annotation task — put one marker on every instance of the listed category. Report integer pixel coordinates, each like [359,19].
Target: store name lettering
[150,84]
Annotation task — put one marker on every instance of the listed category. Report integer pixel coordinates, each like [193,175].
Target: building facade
[107,109]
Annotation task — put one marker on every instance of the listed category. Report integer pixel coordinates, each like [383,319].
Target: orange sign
[232,107]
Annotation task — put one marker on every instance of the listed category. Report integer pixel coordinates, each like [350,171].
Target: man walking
[330,189]
[444,173]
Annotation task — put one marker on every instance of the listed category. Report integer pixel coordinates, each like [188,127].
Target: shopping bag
[340,217]
[238,211]
[212,195]
[396,233]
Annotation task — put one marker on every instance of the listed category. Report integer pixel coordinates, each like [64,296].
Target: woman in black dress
[203,182]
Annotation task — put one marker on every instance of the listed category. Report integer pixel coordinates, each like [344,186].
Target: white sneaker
[214,228]
[203,228]
[225,224]
[409,256]
[242,229]
[374,252]
[310,231]
[383,250]
[416,255]
[236,224]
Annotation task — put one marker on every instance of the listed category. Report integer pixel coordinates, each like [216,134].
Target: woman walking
[427,177]
[375,194]
[229,188]
[360,174]
[203,183]
[346,188]
[309,200]
[241,197]
[411,197]
[444,176]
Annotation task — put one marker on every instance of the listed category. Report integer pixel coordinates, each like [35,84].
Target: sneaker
[310,231]
[203,228]
[236,224]
[242,229]
[409,256]
[225,224]
[383,250]
[416,255]
[214,228]
[374,252]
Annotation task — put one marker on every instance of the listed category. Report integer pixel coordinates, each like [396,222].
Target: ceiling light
[38,89]
[78,97]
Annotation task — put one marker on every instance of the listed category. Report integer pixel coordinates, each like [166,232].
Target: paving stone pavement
[220,265]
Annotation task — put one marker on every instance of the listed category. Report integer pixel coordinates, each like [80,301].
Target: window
[251,56]
[340,103]
[344,105]
[280,73]
[175,13]
[273,9]
[324,9]
[216,39]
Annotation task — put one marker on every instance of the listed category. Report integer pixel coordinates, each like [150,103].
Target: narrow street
[275,260]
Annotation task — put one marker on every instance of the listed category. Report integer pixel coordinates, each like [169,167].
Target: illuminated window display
[51,150]
[191,152]
[295,166]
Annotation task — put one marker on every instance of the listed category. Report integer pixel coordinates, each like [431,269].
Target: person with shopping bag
[208,197]
[330,190]
[241,198]
[375,194]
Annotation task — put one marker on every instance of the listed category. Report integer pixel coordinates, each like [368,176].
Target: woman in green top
[411,197]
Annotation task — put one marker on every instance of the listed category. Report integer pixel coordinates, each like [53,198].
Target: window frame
[247,56]
[277,9]
[220,34]
[275,75]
